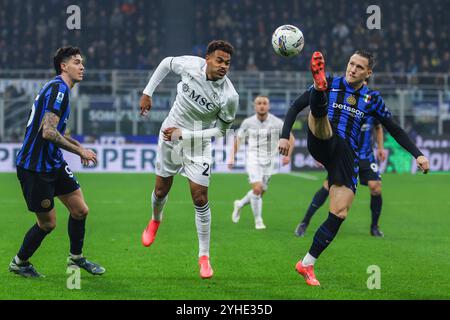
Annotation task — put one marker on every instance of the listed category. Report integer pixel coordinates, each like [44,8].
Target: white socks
[157,206]
[256,203]
[203,224]
[246,199]
[308,260]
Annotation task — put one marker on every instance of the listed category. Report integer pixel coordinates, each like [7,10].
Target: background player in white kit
[262,159]
[205,96]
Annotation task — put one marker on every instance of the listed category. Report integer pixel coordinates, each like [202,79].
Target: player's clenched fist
[145,104]
[283,146]
[171,134]
[423,164]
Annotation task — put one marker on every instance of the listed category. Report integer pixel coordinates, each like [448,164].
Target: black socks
[325,234]
[31,242]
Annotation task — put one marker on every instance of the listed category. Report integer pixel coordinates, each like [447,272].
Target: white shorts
[192,160]
[259,173]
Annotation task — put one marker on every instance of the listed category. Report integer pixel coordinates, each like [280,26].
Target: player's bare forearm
[73,141]
[50,132]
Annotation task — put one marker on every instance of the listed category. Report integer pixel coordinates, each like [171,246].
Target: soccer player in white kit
[262,159]
[205,107]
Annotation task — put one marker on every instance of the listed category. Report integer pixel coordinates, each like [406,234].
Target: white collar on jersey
[215,83]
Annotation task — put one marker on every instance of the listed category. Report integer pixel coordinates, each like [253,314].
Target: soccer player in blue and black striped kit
[369,175]
[43,173]
[339,107]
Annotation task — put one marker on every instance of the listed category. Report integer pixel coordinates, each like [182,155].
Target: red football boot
[318,71]
[307,273]
[206,271]
[149,234]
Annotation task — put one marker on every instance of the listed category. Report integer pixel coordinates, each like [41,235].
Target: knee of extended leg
[81,213]
[47,226]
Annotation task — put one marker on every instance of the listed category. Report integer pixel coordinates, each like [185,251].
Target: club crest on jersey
[60,97]
[351,100]
[185,87]
[367,98]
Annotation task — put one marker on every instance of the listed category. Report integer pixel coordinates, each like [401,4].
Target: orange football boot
[307,273]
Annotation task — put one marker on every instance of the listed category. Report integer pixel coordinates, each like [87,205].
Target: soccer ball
[287,40]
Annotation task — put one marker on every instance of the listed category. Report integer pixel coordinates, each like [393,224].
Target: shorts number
[70,173]
[205,173]
[374,167]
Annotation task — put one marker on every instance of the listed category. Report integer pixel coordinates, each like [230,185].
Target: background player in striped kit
[369,175]
[43,173]
[262,160]
[339,107]
[205,97]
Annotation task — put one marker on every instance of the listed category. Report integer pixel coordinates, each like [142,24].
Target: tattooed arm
[50,132]
[73,141]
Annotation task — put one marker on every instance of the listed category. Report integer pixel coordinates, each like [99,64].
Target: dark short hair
[62,55]
[367,54]
[219,45]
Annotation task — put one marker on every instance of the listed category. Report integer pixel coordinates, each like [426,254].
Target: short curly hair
[219,45]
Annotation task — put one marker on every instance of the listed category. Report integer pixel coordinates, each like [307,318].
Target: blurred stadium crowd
[129,34]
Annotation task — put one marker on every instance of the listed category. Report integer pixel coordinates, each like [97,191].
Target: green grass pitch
[248,264]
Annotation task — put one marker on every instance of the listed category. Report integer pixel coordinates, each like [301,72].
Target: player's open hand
[145,104]
[423,164]
[381,155]
[172,134]
[87,155]
[283,146]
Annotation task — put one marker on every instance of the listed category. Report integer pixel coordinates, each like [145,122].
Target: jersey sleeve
[379,109]
[228,112]
[56,99]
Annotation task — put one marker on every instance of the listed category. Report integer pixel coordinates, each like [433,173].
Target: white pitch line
[303,175]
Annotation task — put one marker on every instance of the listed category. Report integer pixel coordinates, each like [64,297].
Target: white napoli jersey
[199,102]
[262,138]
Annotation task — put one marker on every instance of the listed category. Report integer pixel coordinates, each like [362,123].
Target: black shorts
[39,188]
[337,157]
[368,171]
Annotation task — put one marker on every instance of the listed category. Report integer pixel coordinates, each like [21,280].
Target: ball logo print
[287,41]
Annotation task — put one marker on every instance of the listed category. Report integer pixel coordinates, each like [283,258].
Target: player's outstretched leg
[318,71]
[318,122]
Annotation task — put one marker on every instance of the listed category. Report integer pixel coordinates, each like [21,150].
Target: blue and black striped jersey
[349,109]
[366,139]
[37,153]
